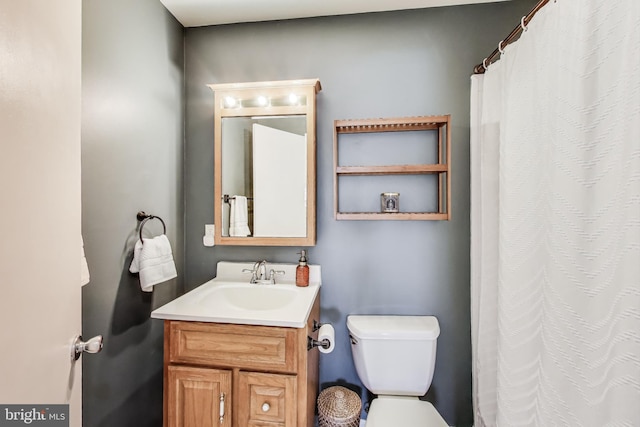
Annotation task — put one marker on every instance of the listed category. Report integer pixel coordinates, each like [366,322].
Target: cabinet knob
[265,407]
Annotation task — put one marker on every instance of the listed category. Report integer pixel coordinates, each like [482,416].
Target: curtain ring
[484,64]
[500,49]
[524,27]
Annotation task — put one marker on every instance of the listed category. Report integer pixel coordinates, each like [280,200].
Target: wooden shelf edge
[392,169]
[270,84]
[392,124]
[266,241]
[403,216]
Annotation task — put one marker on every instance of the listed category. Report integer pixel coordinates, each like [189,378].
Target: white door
[40,293]
[279,183]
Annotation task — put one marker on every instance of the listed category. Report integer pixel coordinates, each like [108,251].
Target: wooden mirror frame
[272,89]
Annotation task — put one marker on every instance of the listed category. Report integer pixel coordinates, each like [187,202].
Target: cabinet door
[266,400]
[199,397]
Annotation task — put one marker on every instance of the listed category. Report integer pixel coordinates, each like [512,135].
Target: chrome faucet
[259,273]
[262,270]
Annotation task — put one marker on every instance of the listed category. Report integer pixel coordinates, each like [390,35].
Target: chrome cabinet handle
[221,408]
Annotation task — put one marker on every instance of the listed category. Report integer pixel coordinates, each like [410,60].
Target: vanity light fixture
[293,99]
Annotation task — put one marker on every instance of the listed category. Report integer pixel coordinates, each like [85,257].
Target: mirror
[264,147]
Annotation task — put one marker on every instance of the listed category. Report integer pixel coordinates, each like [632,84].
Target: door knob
[93,345]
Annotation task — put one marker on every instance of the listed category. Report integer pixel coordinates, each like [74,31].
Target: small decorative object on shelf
[390,202]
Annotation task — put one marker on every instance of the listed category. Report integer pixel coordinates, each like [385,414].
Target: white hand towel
[84,268]
[154,261]
[238,222]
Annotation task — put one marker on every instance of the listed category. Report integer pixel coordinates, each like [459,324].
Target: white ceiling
[197,13]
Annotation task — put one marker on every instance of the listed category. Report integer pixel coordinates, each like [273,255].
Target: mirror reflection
[264,176]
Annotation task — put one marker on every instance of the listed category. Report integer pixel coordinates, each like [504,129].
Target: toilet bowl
[395,359]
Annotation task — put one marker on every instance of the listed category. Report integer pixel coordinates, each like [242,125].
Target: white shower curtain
[555,222]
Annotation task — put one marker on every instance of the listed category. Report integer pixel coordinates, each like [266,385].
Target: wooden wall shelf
[442,168]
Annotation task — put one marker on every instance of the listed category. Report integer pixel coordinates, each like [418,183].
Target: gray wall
[132,149]
[392,64]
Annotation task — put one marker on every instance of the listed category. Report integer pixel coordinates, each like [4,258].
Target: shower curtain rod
[481,68]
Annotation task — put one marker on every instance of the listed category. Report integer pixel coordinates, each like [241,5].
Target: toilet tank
[394,355]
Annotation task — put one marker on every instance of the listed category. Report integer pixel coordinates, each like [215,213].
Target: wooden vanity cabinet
[261,375]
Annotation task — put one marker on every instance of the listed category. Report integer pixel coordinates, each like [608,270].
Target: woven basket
[338,407]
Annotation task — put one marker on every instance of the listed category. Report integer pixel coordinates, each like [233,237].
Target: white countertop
[229,298]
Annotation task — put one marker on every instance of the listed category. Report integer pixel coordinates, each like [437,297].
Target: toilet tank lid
[393,327]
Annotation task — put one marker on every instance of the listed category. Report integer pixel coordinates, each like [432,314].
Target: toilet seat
[394,411]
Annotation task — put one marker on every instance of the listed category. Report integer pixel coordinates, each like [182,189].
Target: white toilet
[395,357]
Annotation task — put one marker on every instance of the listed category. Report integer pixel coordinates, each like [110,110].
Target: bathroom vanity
[236,354]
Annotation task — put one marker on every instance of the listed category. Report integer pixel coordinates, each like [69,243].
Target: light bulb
[230,102]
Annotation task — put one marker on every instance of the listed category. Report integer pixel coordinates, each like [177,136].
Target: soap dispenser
[302,270]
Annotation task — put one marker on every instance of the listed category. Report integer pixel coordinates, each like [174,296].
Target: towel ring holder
[144,217]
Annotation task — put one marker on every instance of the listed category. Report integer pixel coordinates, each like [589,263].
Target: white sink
[254,297]
[226,299]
